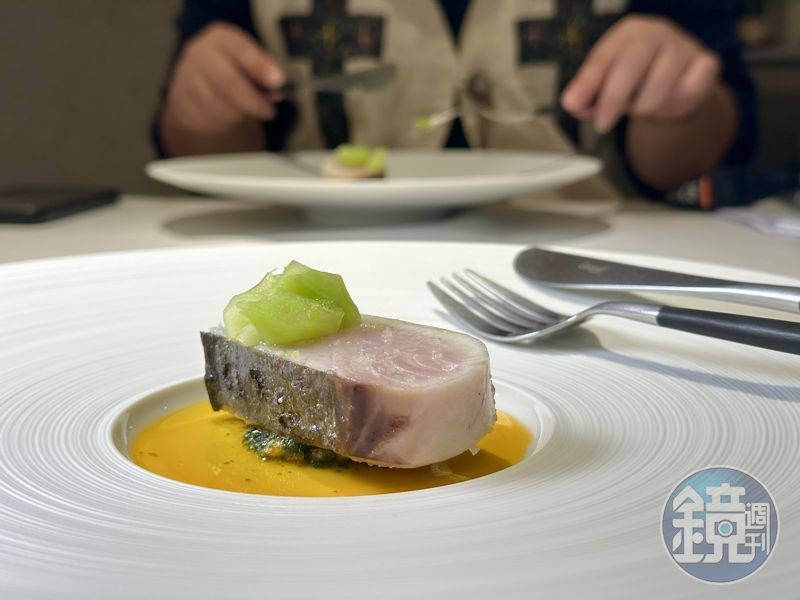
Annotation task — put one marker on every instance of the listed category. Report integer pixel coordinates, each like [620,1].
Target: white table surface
[136,222]
[150,222]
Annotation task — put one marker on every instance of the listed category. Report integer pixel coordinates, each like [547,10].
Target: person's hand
[221,78]
[642,67]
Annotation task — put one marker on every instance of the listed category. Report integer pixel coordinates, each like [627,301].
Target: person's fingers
[251,59]
[237,89]
[697,82]
[660,83]
[214,110]
[624,78]
[641,66]
[275,96]
[189,112]
[580,93]
[583,114]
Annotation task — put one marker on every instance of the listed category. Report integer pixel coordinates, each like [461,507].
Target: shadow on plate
[584,342]
[786,393]
[500,223]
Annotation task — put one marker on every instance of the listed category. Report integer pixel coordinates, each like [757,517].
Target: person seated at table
[665,79]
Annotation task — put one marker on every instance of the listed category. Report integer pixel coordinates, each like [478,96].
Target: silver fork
[478,93]
[496,313]
[432,121]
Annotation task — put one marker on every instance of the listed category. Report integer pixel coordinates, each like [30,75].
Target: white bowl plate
[626,411]
[415,181]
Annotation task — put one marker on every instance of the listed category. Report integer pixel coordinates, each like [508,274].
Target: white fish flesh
[387,392]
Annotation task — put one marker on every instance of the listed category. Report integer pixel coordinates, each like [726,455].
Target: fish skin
[356,419]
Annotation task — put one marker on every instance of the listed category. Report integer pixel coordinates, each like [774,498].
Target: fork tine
[463,314]
[503,294]
[502,309]
[478,309]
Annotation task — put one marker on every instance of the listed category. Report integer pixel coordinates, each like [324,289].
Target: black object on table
[37,205]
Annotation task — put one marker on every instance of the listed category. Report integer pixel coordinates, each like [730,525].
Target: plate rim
[561,577]
[398,192]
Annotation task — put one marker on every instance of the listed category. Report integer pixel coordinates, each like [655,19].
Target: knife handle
[772,334]
[775,297]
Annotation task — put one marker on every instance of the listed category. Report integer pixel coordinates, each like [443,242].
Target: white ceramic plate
[416,180]
[624,412]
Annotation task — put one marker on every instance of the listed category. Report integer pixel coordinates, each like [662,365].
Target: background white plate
[415,179]
[633,410]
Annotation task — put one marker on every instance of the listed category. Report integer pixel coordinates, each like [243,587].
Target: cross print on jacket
[329,36]
[565,40]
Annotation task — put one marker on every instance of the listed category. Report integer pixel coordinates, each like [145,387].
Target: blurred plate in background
[418,183]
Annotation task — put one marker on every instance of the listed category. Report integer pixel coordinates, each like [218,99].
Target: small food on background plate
[296,358]
[356,161]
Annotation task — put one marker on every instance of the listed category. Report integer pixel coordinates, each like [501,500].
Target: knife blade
[366,79]
[576,272]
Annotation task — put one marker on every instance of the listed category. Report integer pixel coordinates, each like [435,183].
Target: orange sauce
[199,446]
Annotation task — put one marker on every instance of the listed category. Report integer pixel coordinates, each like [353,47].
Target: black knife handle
[773,334]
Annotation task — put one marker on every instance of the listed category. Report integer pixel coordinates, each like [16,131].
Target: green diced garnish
[353,155]
[377,162]
[358,156]
[237,326]
[296,305]
[303,281]
[286,318]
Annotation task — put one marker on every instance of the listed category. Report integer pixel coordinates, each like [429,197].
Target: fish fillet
[387,392]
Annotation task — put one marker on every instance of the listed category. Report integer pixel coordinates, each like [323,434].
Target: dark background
[79,80]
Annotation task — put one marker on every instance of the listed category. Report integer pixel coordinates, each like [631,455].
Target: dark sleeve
[713,22]
[195,15]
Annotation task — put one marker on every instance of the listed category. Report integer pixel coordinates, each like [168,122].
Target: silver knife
[366,79]
[575,272]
